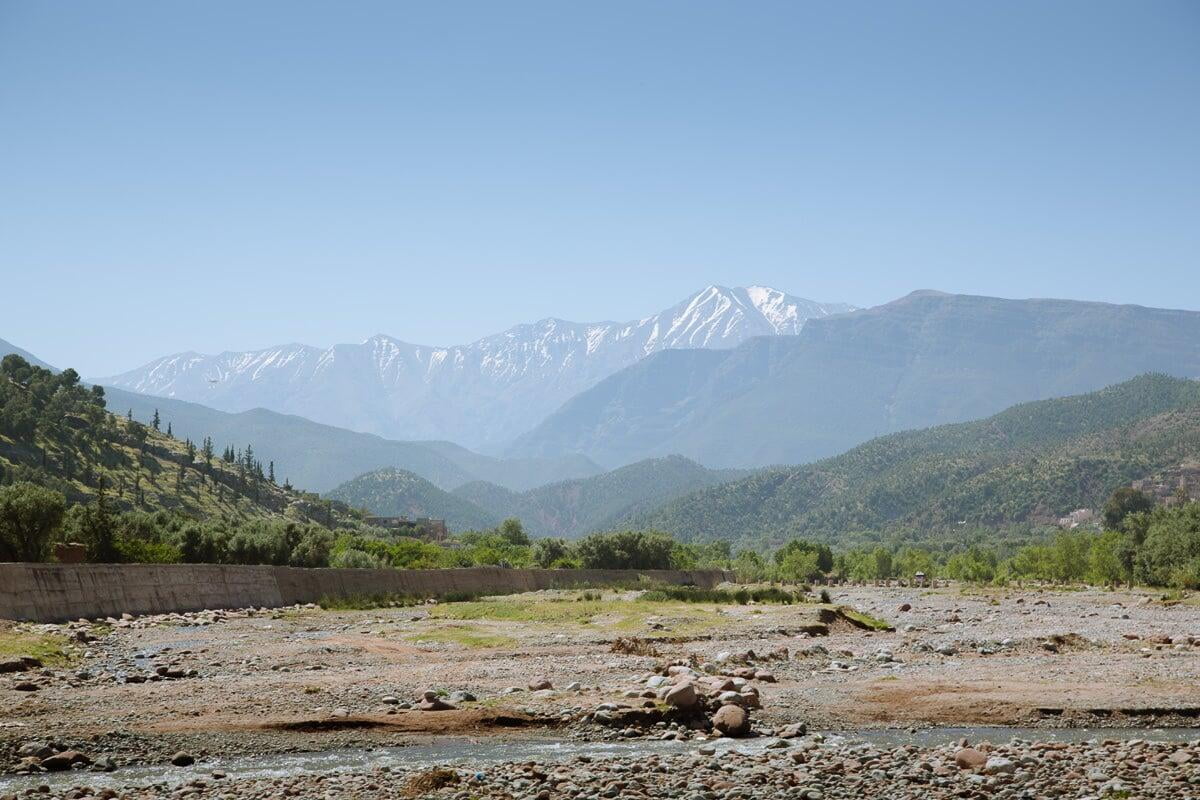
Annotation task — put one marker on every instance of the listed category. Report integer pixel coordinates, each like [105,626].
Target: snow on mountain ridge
[478,394]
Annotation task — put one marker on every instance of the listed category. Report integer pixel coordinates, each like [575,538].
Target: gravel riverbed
[214,687]
[803,769]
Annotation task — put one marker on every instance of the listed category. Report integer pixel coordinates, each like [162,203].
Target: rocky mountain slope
[1031,463]
[481,394]
[926,359]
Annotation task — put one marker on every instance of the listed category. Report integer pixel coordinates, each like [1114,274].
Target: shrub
[312,550]
[1169,554]
[739,596]
[132,550]
[355,559]
[29,517]
[626,550]
[549,552]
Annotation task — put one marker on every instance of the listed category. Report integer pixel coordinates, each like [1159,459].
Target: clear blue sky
[229,175]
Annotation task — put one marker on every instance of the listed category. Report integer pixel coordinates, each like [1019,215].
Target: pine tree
[207,452]
[271,472]
[99,530]
[170,435]
[155,421]
[129,415]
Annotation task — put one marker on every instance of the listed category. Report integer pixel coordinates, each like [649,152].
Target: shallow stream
[467,752]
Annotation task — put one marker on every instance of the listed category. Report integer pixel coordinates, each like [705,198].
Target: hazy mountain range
[319,457]
[818,385]
[479,395]
[925,359]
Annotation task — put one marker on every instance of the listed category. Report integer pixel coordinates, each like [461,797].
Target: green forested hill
[1031,463]
[57,433]
[602,502]
[397,492]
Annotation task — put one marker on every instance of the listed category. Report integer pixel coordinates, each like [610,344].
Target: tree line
[1139,543]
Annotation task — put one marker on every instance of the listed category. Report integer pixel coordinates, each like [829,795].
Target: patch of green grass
[464,635]
[458,597]
[548,610]
[864,619]
[1177,596]
[740,596]
[361,602]
[50,649]
[616,615]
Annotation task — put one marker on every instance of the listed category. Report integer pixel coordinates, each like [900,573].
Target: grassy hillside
[1031,463]
[57,433]
[397,492]
[602,502]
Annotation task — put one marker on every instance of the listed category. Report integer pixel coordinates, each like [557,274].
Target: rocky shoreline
[807,768]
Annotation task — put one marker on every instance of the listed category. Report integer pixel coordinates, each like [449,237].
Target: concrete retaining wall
[57,592]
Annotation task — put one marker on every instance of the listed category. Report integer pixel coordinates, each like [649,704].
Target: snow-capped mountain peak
[477,394]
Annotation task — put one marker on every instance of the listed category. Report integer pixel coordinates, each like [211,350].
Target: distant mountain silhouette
[926,359]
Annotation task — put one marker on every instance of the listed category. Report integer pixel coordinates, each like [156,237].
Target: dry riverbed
[216,687]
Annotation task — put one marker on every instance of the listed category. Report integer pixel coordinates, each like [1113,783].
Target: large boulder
[970,758]
[682,696]
[64,760]
[732,720]
[431,702]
